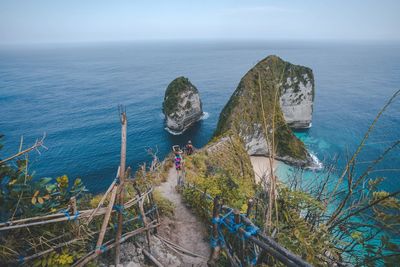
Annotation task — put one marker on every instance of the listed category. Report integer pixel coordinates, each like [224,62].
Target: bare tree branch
[36,146]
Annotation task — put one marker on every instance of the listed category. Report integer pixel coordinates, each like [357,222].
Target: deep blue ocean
[72,91]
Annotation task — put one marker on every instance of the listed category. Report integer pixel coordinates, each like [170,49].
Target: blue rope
[250,230]
[221,238]
[101,248]
[213,242]
[215,220]
[229,221]
[119,208]
[66,213]
[21,259]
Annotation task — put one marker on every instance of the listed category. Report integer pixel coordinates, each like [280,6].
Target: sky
[47,21]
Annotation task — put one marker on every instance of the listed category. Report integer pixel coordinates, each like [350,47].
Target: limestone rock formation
[285,92]
[182,105]
[297,96]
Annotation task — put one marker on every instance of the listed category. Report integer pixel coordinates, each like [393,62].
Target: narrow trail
[184,229]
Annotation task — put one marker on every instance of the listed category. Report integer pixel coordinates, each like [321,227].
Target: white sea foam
[317,164]
[205,116]
[173,132]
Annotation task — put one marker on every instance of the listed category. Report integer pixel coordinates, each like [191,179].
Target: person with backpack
[189,148]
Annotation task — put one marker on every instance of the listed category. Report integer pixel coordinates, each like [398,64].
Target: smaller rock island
[182,106]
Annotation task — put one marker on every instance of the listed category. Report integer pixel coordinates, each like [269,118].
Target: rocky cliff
[297,96]
[182,105]
[281,88]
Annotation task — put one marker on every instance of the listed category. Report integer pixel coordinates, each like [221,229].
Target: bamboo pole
[9,223]
[230,257]
[236,216]
[215,250]
[120,198]
[106,219]
[182,249]
[103,198]
[36,255]
[250,205]
[93,254]
[75,212]
[269,243]
[152,258]
[144,218]
[82,214]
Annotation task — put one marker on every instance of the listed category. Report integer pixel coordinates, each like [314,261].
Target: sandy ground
[185,229]
[262,167]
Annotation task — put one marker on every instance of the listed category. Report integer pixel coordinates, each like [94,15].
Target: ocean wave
[317,164]
[205,116]
[173,132]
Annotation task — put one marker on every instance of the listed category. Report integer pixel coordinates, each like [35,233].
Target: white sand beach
[261,167]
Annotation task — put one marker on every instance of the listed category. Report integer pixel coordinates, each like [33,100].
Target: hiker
[189,148]
[178,162]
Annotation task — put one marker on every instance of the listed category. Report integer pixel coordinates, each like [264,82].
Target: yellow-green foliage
[165,206]
[295,233]
[65,257]
[223,168]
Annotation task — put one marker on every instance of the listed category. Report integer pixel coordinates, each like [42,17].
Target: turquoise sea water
[71,92]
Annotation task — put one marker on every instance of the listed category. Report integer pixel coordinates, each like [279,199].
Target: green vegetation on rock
[243,113]
[174,90]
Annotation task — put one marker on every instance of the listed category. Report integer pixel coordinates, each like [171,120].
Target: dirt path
[184,228]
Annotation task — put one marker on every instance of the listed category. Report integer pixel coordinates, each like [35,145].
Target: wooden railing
[240,239]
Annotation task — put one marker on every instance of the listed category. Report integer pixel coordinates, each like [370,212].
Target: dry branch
[36,145]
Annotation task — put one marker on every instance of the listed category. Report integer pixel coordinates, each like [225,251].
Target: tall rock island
[182,105]
[285,92]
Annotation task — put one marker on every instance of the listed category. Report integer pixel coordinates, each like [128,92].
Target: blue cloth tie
[101,248]
[66,213]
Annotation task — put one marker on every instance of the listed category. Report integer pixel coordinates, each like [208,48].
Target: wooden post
[215,250]
[120,198]
[236,215]
[145,222]
[102,199]
[106,219]
[75,211]
[250,204]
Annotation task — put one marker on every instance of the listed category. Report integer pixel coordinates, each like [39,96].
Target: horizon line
[305,40]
